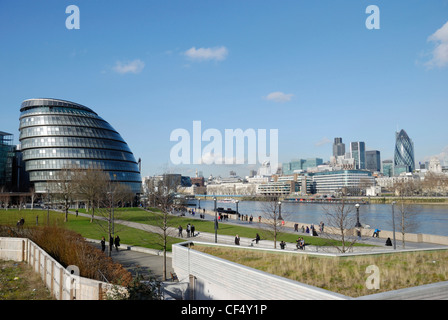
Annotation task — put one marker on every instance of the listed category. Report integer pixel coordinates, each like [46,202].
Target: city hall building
[57,134]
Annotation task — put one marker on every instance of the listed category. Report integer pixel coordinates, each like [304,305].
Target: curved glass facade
[404,152]
[56,134]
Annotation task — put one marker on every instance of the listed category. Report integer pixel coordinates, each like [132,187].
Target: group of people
[112,242]
[300,243]
[245,217]
[310,230]
[190,230]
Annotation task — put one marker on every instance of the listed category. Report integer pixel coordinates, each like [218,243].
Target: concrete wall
[62,284]
[434,291]
[211,278]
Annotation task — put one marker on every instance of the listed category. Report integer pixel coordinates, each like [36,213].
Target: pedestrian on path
[180,231]
[257,238]
[237,240]
[188,230]
[192,230]
[111,243]
[376,233]
[117,242]
[282,244]
[103,244]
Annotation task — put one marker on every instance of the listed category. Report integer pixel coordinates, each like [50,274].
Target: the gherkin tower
[56,134]
[404,153]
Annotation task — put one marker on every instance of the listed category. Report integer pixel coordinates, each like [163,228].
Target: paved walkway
[152,260]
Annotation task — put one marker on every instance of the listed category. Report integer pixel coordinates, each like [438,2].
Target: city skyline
[314,72]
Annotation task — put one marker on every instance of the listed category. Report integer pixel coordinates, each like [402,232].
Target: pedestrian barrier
[63,283]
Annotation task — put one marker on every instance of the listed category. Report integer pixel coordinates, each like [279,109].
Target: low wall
[211,278]
[64,284]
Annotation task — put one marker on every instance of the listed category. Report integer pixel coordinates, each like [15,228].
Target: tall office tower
[388,168]
[338,147]
[6,151]
[404,153]
[358,152]
[57,134]
[373,160]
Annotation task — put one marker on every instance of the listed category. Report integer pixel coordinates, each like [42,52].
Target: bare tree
[91,186]
[340,221]
[64,188]
[405,218]
[164,193]
[33,196]
[274,217]
[435,184]
[106,215]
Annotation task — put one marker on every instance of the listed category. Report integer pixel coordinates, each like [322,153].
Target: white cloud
[440,52]
[135,66]
[203,54]
[322,142]
[442,156]
[279,97]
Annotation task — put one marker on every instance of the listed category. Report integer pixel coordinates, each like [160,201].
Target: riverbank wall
[365,232]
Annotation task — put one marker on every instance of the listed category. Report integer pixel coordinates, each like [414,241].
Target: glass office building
[358,152]
[373,160]
[351,181]
[296,166]
[6,156]
[57,134]
[404,153]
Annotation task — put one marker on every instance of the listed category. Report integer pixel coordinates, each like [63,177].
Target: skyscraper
[358,152]
[387,168]
[338,147]
[6,149]
[404,153]
[373,160]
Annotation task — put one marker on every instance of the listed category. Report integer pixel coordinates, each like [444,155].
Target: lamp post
[393,224]
[237,201]
[199,207]
[216,222]
[357,215]
[280,211]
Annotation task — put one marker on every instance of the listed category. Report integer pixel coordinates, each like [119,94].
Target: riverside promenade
[149,260]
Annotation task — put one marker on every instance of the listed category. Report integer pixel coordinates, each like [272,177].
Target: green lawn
[138,237]
[83,226]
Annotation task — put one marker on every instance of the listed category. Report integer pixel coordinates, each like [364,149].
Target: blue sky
[310,69]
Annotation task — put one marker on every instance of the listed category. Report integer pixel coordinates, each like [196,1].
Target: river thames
[430,219]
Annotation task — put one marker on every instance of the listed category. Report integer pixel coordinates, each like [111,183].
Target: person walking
[117,242]
[257,238]
[180,231]
[103,244]
[282,244]
[192,230]
[188,230]
[237,240]
[111,243]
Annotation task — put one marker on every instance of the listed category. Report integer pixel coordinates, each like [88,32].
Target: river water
[430,219]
